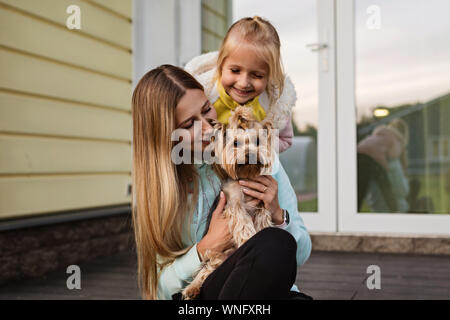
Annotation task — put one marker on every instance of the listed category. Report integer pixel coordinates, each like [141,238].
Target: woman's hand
[265,189]
[218,237]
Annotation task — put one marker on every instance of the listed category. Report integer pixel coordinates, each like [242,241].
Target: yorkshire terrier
[243,149]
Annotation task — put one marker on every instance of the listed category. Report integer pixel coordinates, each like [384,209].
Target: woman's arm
[288,200]
[175,276]
[218,238]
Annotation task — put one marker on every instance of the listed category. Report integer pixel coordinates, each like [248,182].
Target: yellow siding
[20,196]
[120,7]
[215,18]
[31,155]
[65,120]
[213,21]
[62,45]
[34,75]
[31,115]
[95,22]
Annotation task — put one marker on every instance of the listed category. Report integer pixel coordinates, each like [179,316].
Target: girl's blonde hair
[399,128]
[160,188]
[263,36]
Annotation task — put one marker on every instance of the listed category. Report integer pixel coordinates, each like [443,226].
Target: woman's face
[195,108]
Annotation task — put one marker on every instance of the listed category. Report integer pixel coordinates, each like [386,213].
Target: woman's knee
[275,254]
[276,239]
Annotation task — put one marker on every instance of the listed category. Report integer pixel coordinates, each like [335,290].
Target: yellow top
[225,104]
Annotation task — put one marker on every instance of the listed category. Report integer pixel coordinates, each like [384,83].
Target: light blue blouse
[178,274]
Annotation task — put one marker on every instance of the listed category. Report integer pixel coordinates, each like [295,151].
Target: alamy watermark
[228,146]
[374,19]
[74,280]
[74,20]
[374,280]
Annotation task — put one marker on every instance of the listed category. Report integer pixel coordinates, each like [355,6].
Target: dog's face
[243,148]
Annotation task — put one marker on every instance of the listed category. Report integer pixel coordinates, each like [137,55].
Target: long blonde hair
[263,36]
[400,130]
[160,188]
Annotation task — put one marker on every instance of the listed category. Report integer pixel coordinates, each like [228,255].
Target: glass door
[393,123]
[306,30]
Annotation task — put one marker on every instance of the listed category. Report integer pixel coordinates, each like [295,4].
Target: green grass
[307,206]
[435,188]
[432,187]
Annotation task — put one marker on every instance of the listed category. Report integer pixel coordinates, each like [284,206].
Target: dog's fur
[243,160]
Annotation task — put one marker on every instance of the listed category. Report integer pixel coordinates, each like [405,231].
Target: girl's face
[244,74]
[194,106]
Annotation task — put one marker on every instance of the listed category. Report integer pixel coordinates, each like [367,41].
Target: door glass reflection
[403,105]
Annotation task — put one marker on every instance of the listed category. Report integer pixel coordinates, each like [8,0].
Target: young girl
[247,70]
[171,204]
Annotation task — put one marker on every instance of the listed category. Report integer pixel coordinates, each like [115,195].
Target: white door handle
[317,46]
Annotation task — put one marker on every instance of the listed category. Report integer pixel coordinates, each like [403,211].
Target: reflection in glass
[403,106]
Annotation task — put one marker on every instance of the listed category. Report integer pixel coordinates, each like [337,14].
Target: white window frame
[348,218]
[325,219]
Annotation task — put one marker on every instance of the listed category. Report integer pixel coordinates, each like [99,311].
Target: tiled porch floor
[326,275]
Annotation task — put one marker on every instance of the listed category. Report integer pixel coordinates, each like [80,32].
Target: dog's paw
[190,292]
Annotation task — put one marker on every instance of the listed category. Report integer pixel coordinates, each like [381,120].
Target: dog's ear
[267,124]
[267,128]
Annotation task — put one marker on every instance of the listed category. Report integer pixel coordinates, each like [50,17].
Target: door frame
[325,219]
[348,218]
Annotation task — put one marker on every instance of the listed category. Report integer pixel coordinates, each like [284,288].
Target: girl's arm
[175,276]
[285,136]
[288,200]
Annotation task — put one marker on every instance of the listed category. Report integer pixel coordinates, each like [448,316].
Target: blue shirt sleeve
[288,200]
[175,276]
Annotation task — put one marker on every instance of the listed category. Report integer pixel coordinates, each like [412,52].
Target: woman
[382,167]
[171,203]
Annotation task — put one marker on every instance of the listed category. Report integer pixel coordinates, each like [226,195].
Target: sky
[405,60]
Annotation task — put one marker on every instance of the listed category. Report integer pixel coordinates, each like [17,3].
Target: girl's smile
[243,93]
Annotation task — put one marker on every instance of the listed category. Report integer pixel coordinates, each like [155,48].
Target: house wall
[65,114]
[216,19]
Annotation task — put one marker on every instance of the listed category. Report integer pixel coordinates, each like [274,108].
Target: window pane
[403,105]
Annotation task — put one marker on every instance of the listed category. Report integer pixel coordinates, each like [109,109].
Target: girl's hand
[218,237]
[265,189]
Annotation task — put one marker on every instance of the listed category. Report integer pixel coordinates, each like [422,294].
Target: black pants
[369,169]
[264,267]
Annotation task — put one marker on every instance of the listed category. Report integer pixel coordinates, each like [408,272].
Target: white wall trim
[164,32]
